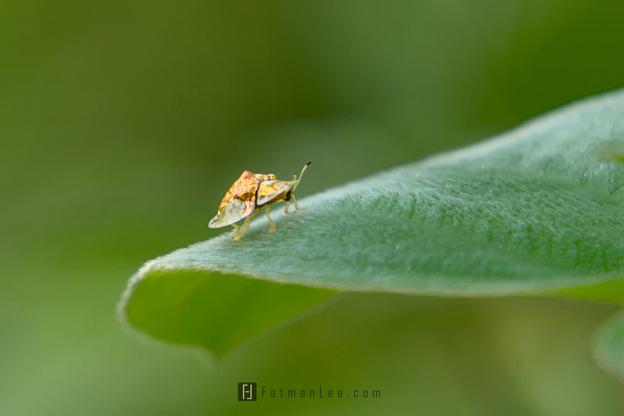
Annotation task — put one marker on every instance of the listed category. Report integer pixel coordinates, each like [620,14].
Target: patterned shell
[271,191]
[240,200]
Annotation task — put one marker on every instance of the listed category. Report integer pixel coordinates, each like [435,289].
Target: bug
[248,194]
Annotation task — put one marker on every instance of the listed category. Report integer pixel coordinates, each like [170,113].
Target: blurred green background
[123,123]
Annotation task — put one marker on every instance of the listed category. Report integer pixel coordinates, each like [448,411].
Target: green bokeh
[122,123]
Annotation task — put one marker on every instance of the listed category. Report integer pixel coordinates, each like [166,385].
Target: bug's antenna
[301,174]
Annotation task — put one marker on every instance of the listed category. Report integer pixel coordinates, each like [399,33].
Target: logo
[247,392]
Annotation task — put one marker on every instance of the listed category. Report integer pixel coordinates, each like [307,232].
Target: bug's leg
[246,224]
[235,233]
[267,211]
[286,205]
[243,228]
[297,206]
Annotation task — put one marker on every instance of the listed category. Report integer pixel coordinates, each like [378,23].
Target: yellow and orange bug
[250,192]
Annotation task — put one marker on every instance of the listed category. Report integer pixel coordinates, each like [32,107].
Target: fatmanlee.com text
[249,391]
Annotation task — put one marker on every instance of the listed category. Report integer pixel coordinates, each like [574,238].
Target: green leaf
[536,211]
[609,346]
[210,309]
